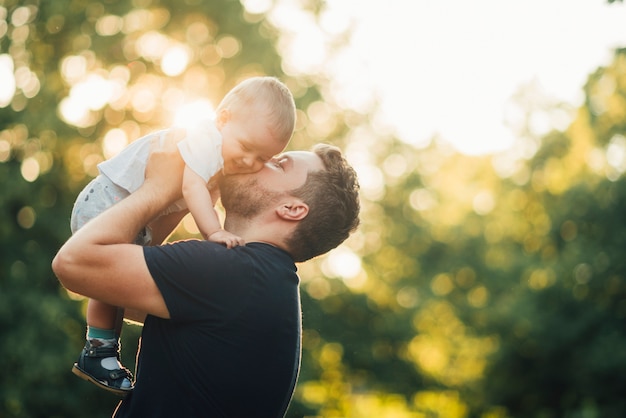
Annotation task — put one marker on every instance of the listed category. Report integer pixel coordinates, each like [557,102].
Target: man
[222,333]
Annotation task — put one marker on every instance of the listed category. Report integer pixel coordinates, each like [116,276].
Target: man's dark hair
[333,199]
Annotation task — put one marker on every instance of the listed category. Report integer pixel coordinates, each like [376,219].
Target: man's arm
[99,262]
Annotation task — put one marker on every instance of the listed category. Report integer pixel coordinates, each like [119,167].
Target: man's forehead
[305,158]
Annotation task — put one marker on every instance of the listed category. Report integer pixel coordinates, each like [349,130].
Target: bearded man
[222,327]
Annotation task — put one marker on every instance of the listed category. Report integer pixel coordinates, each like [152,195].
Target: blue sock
[100,334]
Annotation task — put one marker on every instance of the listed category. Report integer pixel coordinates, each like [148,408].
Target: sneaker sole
[84,375]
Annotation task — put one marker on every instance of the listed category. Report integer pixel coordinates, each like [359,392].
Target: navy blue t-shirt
[232,345]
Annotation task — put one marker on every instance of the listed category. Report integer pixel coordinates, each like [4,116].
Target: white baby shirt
[201,149]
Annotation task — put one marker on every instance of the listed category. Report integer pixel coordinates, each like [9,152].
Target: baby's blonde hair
[272,96]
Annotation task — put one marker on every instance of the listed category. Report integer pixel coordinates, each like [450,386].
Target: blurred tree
[562,329]
[489,287]
[476,286]
[80,79]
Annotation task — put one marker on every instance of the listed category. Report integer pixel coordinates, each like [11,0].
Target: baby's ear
[223,116]
[293,211]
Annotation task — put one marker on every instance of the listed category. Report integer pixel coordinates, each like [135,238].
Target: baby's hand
[226,238]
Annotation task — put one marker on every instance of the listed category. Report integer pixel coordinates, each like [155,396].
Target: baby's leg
[101,315]
[162,227]
[99,362]
[99,359]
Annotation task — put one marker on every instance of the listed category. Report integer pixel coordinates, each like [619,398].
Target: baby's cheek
[230,168]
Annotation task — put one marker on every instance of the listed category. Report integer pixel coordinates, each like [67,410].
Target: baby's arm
[200,205]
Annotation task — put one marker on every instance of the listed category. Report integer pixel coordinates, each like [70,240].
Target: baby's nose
[248,161]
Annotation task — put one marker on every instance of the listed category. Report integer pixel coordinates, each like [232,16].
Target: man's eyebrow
[289,161]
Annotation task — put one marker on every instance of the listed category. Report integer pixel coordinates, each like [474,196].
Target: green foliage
[42,327]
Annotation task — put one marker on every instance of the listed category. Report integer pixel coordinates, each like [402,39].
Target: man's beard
[244,197]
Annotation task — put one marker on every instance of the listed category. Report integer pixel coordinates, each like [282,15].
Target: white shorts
[99,195]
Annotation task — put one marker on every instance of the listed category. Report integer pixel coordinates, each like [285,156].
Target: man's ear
[293,211]
[222,117]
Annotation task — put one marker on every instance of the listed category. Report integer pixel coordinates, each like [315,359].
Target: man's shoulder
[190,246]
[198,249]
[251,253]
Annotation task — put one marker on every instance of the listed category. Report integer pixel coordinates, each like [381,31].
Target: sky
[441,68]
[450,68]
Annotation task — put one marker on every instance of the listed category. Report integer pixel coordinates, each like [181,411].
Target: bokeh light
[191,113]
[175,60]
[342,262]
[7,86]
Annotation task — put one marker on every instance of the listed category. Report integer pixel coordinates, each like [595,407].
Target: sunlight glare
[151,45]
[73,68]
[7,87]
[109,25]
[333,20]
[342,262]
[257,6]
[73,112]
[94,93]
[348,81]
[435,73]
[143,99]
[302,45]
[616,153]
[190,113]
[372,181]
[175,60]
[114,141]
[27,81]
[395,165]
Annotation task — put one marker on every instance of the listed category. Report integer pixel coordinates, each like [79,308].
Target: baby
[253,123]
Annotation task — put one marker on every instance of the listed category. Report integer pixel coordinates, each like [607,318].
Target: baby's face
[247,144]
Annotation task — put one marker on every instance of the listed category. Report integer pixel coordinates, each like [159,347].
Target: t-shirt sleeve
[201,149]
[198,279]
